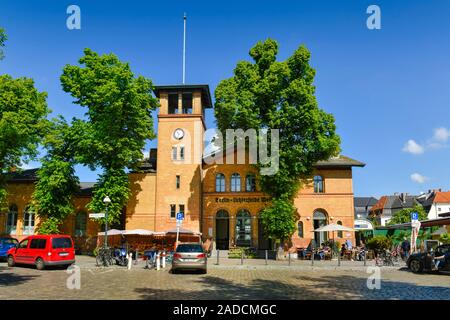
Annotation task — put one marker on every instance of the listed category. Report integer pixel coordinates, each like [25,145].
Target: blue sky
[388,88]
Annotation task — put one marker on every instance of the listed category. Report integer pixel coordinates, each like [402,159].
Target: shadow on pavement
[309,288]
[8,278]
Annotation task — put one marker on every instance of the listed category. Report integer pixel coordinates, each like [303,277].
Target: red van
[42,251]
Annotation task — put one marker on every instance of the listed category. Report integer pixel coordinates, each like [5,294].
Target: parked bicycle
[104,257]
[387,258]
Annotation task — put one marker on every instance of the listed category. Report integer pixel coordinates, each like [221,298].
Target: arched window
[235,182]
[11,223]
[243,229]
[80,224]
[339,233]
[28,221]
[318,184]
[300,229]
[220,182]
[250,183]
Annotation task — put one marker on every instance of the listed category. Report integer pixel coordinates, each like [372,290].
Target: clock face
[178,134]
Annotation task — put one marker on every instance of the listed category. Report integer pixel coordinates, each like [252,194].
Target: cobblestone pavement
[226,281]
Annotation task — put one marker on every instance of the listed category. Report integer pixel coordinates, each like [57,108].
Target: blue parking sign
[415,216]
[180,216]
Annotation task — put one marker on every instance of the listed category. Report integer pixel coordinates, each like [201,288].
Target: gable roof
[339,161]
[442,197]
[20,175]
[364,201]
[394,202]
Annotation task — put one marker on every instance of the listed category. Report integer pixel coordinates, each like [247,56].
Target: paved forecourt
[226,281]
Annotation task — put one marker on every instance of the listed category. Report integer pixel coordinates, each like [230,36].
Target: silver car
[189,256]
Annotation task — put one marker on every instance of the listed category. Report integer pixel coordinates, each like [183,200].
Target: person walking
[406,247]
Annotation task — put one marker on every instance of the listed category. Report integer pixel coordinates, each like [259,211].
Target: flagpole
[184,49]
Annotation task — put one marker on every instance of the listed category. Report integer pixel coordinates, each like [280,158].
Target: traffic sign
[180,216]
[96,215]
[414,216]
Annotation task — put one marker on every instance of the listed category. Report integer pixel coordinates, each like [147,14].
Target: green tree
[23,123]
[280,95]
[280,218]
[445,238]
[118,123]
[3,39]
[56,178]
[404,215]
[379,243]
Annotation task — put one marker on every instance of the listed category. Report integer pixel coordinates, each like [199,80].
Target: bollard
[339,259]
[164,260]
[158,261]
[312,257]
[365,257]
[217,251]
[130,260]
[289,258]
[266,257]
[242,257]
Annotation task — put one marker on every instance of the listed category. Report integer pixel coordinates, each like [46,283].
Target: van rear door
[62,249]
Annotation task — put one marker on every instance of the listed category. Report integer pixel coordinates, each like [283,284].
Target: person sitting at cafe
[321,251]
[343,249]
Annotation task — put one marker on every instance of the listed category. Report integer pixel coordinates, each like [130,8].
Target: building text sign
[242,199]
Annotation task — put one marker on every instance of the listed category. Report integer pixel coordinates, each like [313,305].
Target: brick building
[222,201]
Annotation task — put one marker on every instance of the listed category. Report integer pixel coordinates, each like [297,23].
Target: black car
[419,262]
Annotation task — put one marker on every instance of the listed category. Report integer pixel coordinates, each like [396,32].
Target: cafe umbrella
[332,227]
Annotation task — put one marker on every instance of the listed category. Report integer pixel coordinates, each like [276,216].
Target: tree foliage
[50,225]
[445,238]
[23,123]
[57,181]
[404,215]
[3,39]
[379,243]
[118,122]
[280,95]
[279,218]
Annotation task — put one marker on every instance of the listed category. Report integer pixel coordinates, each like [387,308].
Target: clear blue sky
[385,87]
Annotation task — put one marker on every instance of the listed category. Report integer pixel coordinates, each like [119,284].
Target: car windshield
[189,248]
[61,243]
[9,241]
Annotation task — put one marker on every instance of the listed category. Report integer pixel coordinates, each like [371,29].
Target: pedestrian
[406,247]
[349,244]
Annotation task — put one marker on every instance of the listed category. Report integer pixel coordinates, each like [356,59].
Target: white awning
[361,224]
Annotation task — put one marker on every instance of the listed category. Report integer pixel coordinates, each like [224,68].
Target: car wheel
[40,264]
[203,271]
[11,261]
[416,266]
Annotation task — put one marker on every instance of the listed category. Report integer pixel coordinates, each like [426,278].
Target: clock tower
[181,126]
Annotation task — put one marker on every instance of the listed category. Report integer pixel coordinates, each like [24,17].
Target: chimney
[403,196]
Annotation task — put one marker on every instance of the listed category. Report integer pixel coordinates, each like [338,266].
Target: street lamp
[106,201]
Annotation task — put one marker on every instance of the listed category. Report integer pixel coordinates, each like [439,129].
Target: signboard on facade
[96,215]
[242,199]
